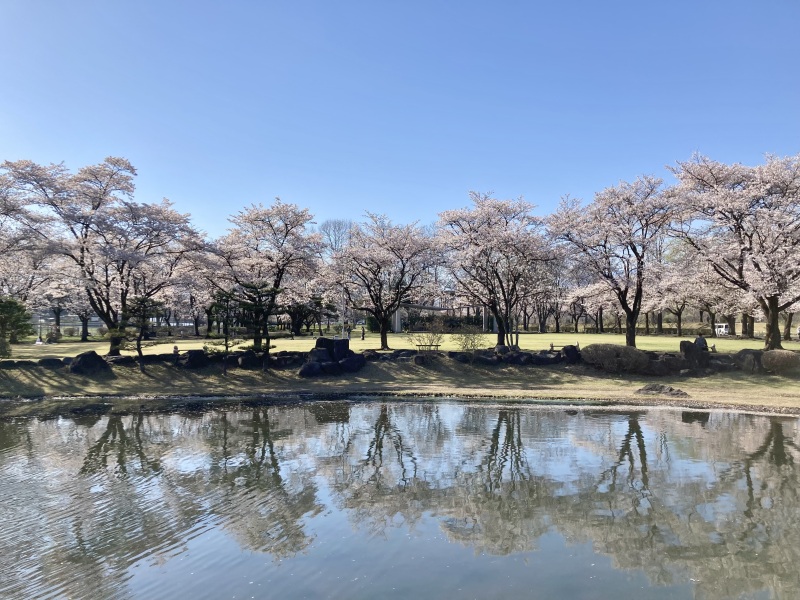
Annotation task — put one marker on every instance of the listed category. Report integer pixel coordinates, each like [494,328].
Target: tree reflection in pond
[709,498]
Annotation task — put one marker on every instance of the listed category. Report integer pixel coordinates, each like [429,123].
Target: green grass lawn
[527,341]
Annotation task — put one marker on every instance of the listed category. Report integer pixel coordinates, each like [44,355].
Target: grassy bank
[41,391]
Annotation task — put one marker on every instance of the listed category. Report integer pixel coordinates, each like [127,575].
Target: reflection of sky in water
[397,500]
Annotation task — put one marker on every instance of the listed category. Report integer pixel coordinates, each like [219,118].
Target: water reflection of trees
[713,500]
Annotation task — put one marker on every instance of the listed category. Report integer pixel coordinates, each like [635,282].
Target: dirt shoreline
[43,393]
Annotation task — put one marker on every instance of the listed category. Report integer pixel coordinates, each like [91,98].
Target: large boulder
[571,354]
[749,360]
[613,358]
[51,363]
[319,355]
[331,368]
[194,359]
[341,349]
[125,360]
[249,360]
[89,363]
[696,356]
[353,363]
[326,343]
[310,369]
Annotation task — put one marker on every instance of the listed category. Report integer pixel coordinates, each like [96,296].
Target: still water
[401,500]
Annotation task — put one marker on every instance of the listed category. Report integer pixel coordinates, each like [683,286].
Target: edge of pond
[48,407]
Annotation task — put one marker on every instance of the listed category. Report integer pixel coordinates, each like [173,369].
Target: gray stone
[341,348]
[331,368]
[89,363]
[194,359]
[319,355]
[353,363]
[310,369]
[122,361]
[662,390]
[249,360]
[571,354]
[51,363]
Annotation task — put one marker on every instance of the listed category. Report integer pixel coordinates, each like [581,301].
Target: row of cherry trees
[724,239]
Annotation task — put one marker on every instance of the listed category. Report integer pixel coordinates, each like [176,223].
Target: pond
[399,499]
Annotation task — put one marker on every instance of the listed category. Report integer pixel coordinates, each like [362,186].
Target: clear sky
[398,108]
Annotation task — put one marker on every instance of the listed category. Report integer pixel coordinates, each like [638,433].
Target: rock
[486,360]
[571,354]
[694,355]
[194,359]
[425,359]
[340,349]
[749,360]
[232,360]
[310,369]
[353,363]
[501,349]
[659,368]
[371,355]
[51,363]
[325,343]
[89,363]
[331,368]
[8,364]
[662,390]
[459,357]
[122,361]
[545,358]
[26,363]
[320,355]
[249,360]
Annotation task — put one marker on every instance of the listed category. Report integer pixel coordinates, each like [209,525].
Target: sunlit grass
[527,341]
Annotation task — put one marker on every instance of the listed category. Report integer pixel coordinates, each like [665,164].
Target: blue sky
[398,108]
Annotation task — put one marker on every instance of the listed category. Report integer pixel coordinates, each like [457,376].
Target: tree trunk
[600,328]
[713,318]
[57,310]
[84,329]
[745,325]
[115,344]
[660,322]
[384,325]
[557,320]
[646,323]
[731,320]
[772,340]
[751,327]
[196,322]
[209,321]
[679,316]
[542,325]
[501,331]
[787,328]
[265,356]
[630,329]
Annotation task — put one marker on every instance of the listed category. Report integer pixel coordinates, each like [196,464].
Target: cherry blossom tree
[119,247]
[383,265]
[614,236]
[266,247]
[745,222]
[491,251]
